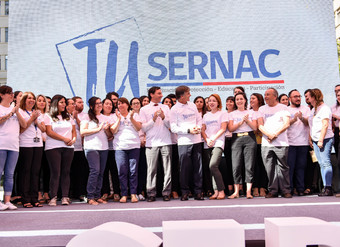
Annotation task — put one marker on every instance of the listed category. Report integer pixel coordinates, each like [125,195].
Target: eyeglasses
[297,96]
[99,103]
[136,103]
[9,93]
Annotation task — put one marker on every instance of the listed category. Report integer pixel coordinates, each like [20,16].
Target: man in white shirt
[155,119]
[298,137]
[186,122]
[273,123]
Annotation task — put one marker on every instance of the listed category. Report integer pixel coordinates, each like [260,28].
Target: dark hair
[92,105]
[136,99]
[54,112]
[67,101]
[239,87]
[180,90]
[245,97]
[141,98]
[291,91]
[75,98]
[4,90]
[171,95]
[283,94]
[16,93]
[152,90]
[169,98]
[259,99]
[232,99]
[125,101]
[204,109]
[48,97]
[109,94]
[113,105]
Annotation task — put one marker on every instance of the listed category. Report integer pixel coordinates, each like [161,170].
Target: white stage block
[299,232]
[116,234]
[203,233]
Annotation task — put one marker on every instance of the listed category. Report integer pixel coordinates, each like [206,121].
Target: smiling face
[295,98]
[71,106]
[30,102]
[61,105]
[145,101]
[41,103]
[135,105]
[199,104]
[98,107]
[123,107]
[284,100]
[240,102]
[167,102]
[254,102]
[107,107]
[213,103]
[230,105]
[157,96]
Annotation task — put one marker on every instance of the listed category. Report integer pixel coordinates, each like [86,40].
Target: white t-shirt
[213,122]
[273,118]
[61,127]
[78,145]
[9,130]
[182,118]
[237,117]
[26,138]
[298,132]
[336,111]
[315,122]
[127,137]
[99,140]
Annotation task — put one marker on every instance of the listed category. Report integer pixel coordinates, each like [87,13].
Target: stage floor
[55,226]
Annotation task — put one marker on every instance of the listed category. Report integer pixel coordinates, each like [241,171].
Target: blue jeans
[297,161]
[324,158]
[97,163]
[8,161]
[127,164]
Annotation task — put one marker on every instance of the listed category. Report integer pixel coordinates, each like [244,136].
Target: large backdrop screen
[88,48]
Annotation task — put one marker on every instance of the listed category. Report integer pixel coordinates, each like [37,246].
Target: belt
[242,134]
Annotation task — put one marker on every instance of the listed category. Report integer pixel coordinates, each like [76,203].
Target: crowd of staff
[168,147]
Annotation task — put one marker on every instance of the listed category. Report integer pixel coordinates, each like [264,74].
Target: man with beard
[298,134]
[79,167]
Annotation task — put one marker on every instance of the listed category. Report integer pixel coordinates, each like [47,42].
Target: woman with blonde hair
[213,130]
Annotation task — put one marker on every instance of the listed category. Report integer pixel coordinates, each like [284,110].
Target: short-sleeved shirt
[298,132]
[9,130]
[213,122]
[237,117]
[315,122]
[27,138]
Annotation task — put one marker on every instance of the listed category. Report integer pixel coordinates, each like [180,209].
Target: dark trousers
[142,171]
[60,160]
[30,163]
[111,168]
[190,159]
[260,175]
[44,174]
[79,174]
[228,174]
[336,140]
[175,169]
[297,161]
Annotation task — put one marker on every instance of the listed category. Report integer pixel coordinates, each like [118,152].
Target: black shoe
[184,197]
[287,195]
[166,198]
[151,199]
[327,191]
[199,197]
[271,195]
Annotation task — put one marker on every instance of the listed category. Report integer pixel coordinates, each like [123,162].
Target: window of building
[6,8]
[6,34]
[6,58]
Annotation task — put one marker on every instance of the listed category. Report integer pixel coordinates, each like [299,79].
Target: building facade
[4,11]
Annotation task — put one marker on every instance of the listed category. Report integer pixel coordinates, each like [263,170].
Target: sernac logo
[103,60]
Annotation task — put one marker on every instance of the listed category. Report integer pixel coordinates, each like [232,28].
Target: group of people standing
[132,150]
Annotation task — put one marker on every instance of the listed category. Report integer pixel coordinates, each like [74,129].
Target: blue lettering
[252,68]
[262,66]
[173,66]
[111,68]
[91,64]
[159,66]
[199,67]
[216,56]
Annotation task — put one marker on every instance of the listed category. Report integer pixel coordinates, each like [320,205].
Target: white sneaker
[3,206]
[11,206]
[65,201]
[53,201]
[141,197]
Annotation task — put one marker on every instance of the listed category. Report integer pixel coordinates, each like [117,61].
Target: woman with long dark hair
[322,138]
[95,128]
[242,124]
[260,175]
[31,150]
[10,123]
[126,144]
[61,135]
[336,118]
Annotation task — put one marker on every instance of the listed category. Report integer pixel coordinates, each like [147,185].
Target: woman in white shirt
[31,149]
[10,123]
[242,124]
[61,135]
[126,144]
[213,130]
[95,128]
[322,138]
